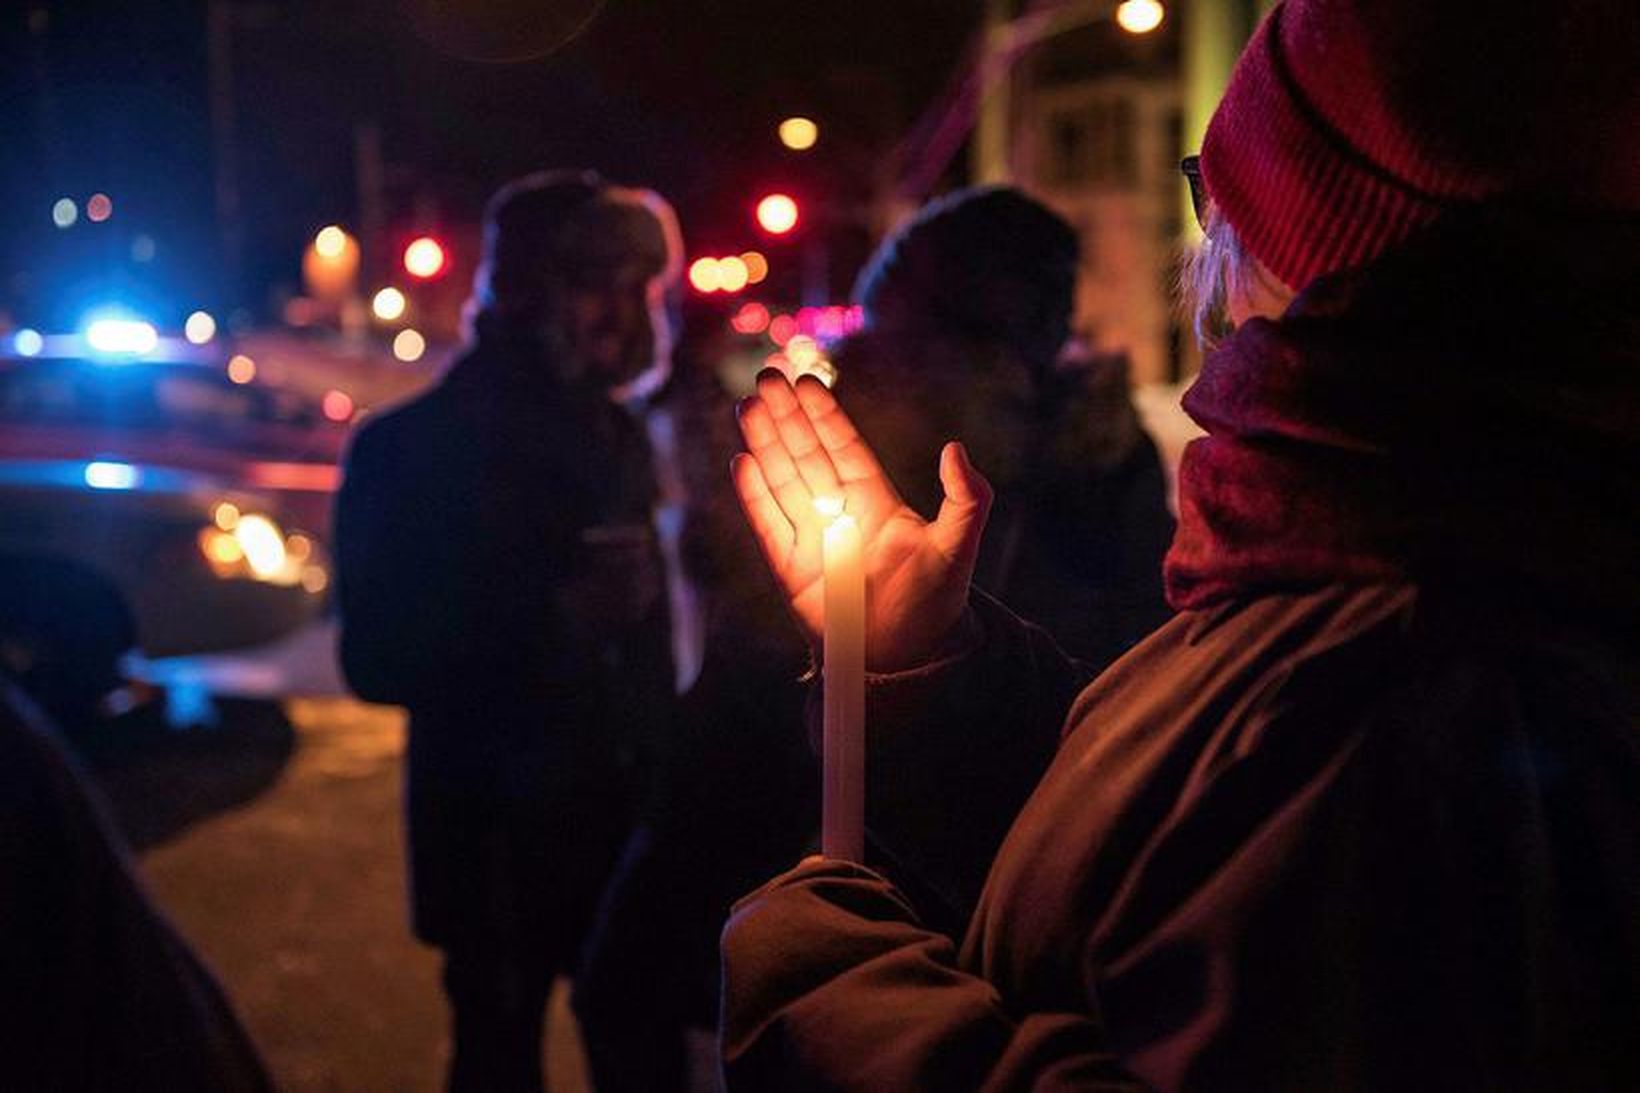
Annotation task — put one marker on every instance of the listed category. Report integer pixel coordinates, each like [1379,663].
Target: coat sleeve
[831,983]
[956,747]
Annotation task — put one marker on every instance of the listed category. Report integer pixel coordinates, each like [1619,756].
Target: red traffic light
[777,214]
[425,258]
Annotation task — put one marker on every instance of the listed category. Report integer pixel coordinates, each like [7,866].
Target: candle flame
[828,506]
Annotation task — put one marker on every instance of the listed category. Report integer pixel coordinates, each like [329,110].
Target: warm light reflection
[829,506]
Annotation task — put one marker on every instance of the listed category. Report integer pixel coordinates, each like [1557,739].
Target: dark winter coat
[498,576]
[1364,816]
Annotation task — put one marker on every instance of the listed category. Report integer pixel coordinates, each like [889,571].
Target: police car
[150,502]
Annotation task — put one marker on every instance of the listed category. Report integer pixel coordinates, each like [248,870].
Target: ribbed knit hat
[1348,125]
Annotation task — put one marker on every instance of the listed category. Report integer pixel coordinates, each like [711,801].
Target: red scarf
[1468,409]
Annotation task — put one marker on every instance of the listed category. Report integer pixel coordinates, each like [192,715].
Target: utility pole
[219,45]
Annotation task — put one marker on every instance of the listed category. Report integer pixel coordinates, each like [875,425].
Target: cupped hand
[802,446]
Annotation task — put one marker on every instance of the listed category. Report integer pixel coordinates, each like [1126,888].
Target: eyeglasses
[1191,168]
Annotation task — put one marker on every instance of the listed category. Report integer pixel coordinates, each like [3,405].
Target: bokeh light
[388,304]
[1140,16]
[777,214]
[704,275]
[99,207]
[263,544]
[732,274]
[106,475]
[121,336]
[409,345]
[199,327]
[337,405]
[424,257]
[782,328]
[752,318]
[757,267]
[27,342]
[799,134]
[64,212]
[330,242]
[802,351]
[241,369]
[143,248]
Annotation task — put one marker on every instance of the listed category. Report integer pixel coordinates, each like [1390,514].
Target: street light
[330,242]
[799,134]
[777,214]
[1140,16]
[424,258]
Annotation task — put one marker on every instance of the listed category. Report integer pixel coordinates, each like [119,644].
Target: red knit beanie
[1350,124]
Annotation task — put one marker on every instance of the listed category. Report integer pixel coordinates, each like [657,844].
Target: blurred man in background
[500,577]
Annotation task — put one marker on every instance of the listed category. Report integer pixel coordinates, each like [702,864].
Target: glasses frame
[1191,168]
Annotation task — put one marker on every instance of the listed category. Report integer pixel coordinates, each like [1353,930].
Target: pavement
[270,831]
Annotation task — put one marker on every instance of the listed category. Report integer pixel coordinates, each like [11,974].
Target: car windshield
[141,396]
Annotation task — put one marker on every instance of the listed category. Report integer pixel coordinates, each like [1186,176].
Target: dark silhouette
[500,577]
[967,315]
[97,991]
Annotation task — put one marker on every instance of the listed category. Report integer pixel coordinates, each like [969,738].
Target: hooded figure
[1365,815]
[967,315]
[500,577]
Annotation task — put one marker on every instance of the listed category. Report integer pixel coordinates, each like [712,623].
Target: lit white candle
[843,798]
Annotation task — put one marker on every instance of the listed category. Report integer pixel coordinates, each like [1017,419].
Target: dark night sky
[100,95]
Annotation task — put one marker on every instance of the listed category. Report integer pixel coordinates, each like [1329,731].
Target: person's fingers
[853,458]
[961,520]
[774,532]
[774,460]
[797,433]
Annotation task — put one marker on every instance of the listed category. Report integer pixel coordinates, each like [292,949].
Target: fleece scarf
[1467,409]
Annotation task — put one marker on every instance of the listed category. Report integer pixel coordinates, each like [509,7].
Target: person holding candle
[1366,814]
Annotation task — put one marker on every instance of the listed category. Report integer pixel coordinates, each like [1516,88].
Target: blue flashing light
[105,475]
[27,342]
[121,336]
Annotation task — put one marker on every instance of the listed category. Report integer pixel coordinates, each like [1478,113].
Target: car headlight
[252,546]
